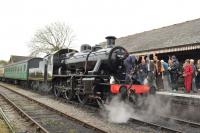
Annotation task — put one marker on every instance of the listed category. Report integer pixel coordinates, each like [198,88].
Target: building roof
[15,58]
[181,34]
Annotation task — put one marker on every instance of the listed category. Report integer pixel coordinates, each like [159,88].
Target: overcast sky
[91,20]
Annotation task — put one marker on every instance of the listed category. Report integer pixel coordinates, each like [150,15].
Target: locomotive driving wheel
[56,92]
[82,96]
[68,93]
[56,89]
[69,89]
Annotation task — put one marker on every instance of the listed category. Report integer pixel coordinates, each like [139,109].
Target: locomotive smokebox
[110,41]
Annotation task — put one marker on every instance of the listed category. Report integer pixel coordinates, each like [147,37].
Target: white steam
[147,108]
[118,111]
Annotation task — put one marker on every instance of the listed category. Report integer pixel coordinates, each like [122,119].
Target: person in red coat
[187,73]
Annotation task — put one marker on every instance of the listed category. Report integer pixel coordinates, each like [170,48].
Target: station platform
[192,99]
[180,94]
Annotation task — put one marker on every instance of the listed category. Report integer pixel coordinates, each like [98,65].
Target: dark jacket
[130,63]
[174,67]
[143,69]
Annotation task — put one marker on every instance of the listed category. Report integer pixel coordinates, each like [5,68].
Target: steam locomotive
[93,73]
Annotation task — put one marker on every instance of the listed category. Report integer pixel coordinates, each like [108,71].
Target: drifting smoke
[153,106]
[118,111]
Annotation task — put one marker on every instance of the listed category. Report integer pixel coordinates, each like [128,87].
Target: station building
[182,40]
[16,58]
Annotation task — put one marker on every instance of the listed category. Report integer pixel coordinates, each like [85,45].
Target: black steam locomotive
[88,74]
[85,74]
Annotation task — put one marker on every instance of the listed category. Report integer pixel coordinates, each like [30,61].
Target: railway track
[170,125]
[157,127]
[180,124]
[166,123]
[43,117]
[6,125]
[16,119]
[160,124]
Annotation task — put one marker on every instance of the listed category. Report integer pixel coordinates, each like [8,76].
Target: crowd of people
[164,74]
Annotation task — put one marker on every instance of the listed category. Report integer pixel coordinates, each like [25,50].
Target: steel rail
[59,112]
[6,120]
[180,121]
[39,128]
[155,126]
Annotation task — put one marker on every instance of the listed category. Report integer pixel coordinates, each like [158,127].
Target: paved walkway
[180,94]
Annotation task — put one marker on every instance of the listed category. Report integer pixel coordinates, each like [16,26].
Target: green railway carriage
[20,70]
[16,70]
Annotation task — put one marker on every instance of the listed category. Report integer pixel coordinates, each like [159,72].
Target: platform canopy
[178,37]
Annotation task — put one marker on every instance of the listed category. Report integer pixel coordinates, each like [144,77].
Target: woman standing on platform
[198,74]
[187,74]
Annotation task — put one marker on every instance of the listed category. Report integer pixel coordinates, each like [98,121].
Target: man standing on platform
[151,68]
[194,88]
[198,74]
[142,73]
[173,69]
[165,75]
[129,63]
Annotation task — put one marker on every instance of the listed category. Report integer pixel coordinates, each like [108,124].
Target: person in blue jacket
[130,64]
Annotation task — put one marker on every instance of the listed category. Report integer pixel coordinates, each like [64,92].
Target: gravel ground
[19,124]
[3,126]
[82,115]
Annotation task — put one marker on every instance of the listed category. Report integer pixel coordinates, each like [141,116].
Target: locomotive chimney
[110,41]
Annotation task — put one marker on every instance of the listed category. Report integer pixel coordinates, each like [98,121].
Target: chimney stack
[110,41]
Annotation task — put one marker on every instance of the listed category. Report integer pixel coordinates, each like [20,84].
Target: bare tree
[3,63]
[53,37]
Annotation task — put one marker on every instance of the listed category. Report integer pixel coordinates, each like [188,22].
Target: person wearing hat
[173,70]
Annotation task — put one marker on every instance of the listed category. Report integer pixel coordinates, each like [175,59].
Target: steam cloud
[118,111]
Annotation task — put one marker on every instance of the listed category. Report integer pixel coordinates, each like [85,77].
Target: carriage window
[24,68]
